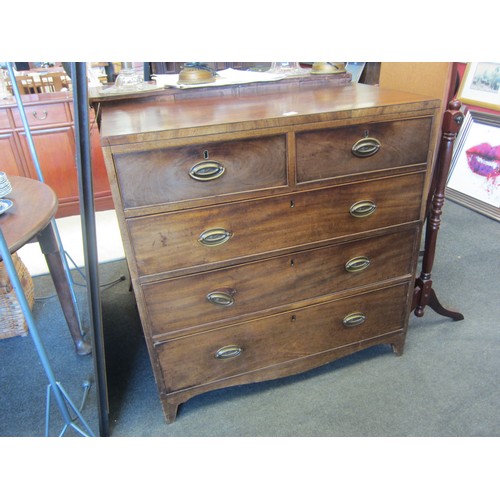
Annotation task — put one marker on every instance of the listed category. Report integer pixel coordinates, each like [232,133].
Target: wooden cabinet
[50,118]
[11,159]
[268,233]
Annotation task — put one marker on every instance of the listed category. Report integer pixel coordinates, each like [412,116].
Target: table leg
[50,249]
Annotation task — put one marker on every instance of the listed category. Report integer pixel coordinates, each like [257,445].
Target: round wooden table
[29,219]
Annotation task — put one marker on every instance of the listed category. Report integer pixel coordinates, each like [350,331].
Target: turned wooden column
[424,294]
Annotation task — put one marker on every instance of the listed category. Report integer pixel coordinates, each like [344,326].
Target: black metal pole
[87,211]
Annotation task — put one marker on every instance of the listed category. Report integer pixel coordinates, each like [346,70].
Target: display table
[31,217]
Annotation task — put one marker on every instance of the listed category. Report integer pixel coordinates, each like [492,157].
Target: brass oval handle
[222,297]
[357,264]
[207,171]
[363,208]
[368,146]
[214,237]
[354,319]
[228,351]
[45,114]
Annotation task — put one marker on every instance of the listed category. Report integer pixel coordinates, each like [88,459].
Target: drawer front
[227,294]
[326,154]
[43,115]
[200,171]
[193,238]
[242,348]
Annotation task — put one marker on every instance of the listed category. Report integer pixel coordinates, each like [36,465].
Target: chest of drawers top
[138,120]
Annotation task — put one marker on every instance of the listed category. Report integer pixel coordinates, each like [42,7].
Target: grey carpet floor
[445,384]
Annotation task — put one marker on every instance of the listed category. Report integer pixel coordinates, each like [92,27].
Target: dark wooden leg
[430,299]
[436,306]
[398,346]
[424,295]
[170,411]
[50,249]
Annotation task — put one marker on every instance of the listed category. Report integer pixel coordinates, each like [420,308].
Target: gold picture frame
[480,85]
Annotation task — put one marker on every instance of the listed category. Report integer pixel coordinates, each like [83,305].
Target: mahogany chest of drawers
[269,233]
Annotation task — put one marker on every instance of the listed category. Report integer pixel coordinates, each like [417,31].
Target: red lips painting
[475,174]
[484,160]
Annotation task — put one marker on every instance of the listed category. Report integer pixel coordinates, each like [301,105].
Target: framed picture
[474,179]
[480,85]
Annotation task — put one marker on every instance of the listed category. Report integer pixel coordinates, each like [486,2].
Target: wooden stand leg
[50,249]
[424,295]
[429,298]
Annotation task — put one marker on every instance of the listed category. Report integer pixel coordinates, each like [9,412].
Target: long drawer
[43,114]
[362,148]
[250,346]
[200,171]
[194,238]
[225,295]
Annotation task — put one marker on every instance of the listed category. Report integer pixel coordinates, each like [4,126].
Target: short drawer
[200,171]
[43,114]
[246,347]
[325,154]
[199,237]
[199,300]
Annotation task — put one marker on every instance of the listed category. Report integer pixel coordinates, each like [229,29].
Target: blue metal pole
[26,126]
[16,284]
[34,157]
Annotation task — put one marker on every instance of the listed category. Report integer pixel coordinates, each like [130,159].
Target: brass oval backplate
[362,208]
[228,352]
[368,146]
[357,264]
[214,237]
[223,297]
[207,171]
[354,319]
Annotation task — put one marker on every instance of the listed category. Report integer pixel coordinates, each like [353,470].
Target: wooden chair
[26,85]
[51,82]
[66,81]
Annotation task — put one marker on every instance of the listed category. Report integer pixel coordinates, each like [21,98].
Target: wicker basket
[12,321]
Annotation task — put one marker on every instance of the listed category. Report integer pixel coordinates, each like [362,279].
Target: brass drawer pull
[228,351]
[363,208]
[368,146]
[44,117]
[223,297]
[354,319]
[357,264]
[207,171]
[214,237]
